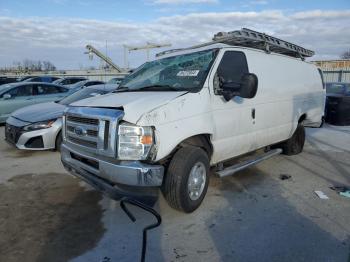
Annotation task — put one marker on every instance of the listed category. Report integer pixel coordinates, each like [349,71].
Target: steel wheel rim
[196,181]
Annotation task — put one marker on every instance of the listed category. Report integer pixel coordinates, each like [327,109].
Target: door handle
[253,113]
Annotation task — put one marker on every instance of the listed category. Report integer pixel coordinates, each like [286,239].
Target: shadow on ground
[47,217]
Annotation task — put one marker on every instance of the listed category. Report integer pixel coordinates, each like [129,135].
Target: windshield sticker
[188,73]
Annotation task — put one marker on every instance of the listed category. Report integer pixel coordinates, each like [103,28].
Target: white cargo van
[192,109]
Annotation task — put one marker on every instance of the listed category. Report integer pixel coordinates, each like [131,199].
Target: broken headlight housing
[134,142]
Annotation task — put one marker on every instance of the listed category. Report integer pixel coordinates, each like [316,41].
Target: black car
[42,79]
[7,80]
[338,104]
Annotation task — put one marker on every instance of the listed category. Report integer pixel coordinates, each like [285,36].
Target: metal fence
[336,75]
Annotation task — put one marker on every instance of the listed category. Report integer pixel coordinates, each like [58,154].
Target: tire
[186,163]
[295,144]
[58,141]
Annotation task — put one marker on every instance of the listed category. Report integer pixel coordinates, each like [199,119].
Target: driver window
[232,67]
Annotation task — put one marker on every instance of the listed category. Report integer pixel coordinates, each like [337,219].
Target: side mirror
[6,96]
[246,88]
[249,86]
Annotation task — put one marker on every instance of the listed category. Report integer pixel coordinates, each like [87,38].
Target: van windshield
[177,73]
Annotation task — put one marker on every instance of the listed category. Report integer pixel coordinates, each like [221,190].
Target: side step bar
[247,163]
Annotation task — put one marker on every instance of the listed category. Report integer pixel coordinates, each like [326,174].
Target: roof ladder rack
[250,38]
[253,39]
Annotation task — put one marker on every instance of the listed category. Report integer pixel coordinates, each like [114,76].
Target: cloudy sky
[58,30]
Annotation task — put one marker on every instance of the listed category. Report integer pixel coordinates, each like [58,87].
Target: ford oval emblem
[80,131]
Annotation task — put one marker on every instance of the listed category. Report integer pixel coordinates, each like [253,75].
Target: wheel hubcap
[196,181]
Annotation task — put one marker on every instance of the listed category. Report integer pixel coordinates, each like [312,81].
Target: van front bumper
[124,178]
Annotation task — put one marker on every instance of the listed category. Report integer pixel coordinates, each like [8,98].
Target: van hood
[39,112]
[135,104]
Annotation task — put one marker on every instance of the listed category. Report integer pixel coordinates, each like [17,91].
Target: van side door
[234,119]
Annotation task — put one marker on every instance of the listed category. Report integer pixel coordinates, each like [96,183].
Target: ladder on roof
[250,38]
[253,39]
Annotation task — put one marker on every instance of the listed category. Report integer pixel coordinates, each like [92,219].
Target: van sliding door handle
[253,113]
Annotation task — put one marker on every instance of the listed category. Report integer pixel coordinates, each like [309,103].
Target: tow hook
[134,202]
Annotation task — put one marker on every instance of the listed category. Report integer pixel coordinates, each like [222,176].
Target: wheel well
[202,141]
[302,118]
[57,137]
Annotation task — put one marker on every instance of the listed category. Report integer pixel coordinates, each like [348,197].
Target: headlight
[135,142]
[39,125]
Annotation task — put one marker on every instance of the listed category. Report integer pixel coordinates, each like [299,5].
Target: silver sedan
[38,127]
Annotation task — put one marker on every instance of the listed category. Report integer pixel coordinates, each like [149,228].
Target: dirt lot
[47,215]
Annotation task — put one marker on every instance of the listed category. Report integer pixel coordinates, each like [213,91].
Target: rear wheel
[187,178]
[295,144]
[59,141]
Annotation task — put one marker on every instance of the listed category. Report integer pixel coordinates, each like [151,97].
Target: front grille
[12,133]
[92,129]
[92,132]
[83,120]
[83,142]
[82,131]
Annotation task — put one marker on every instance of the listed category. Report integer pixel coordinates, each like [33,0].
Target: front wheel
[295,144]
[187,178]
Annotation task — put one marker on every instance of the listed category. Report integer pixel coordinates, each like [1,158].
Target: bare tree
[28,65]
[345,55]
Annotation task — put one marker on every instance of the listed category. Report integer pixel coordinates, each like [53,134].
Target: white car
[191,109]
[38,127]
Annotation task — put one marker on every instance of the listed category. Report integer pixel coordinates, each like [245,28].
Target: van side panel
[287,89]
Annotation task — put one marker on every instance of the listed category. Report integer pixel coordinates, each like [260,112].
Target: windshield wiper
[157,88]
[150,88]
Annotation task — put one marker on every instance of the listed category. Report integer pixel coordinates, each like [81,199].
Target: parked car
[38,127]
[22,78]
[85,83]
[17,95]
[69,80]
[7,80]
[115,80]
[190,109]
[338,104]
[42,79]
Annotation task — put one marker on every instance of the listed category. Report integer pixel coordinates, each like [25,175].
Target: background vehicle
[16,95]
[7,80]
[69,80]
[42,79]
[192,108]
[338,103]
[38,127]
[85,83]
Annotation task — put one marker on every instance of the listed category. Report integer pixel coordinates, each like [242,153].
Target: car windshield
[82,94]
[176,73]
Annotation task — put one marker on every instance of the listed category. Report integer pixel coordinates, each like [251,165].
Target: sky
[59,30]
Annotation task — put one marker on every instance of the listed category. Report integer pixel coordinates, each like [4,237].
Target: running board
[247,163]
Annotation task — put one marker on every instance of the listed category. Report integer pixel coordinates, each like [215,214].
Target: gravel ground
[47,215]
